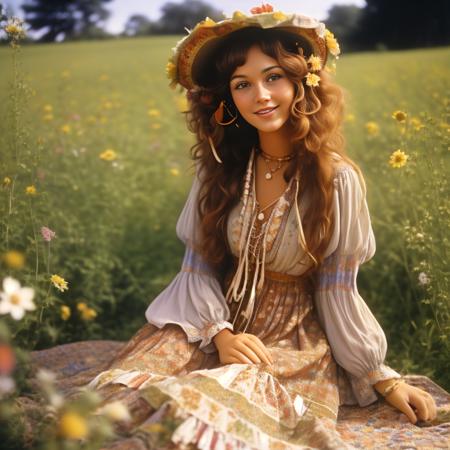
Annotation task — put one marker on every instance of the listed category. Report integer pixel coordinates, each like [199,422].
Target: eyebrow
[262,71]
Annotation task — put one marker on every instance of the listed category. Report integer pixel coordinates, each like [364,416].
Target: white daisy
[15,299]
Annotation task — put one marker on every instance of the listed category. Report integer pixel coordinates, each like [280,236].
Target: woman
[262,335]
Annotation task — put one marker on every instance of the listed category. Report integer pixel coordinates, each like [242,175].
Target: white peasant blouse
[194,299]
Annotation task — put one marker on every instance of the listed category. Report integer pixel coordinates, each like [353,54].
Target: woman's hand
[241,348]
[405,396]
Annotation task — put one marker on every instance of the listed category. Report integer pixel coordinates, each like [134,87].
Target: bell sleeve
[194,299]
[357,341]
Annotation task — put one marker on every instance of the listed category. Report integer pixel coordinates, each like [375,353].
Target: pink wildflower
[47,234]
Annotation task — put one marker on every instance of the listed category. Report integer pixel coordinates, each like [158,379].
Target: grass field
[114,213]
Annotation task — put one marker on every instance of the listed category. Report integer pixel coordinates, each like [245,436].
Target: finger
[406,409]
[261,345]
[247,351]
[419,402]
[240,356]
[432,409]
[258,350]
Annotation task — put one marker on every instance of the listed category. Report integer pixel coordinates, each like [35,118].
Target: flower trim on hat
[322,41]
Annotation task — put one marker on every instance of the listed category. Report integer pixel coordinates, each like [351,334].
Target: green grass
[115,221]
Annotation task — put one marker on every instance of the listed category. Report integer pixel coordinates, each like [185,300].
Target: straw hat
[194,51]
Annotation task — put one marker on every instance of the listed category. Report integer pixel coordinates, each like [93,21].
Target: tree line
[386,24]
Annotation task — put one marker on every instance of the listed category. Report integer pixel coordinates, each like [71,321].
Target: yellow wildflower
[238,15]
[14,259]
[316,63]
[108,155]
[332,43]
[399,116]
[59,283]
[47,117]
[372,128]
[155,126]
[398,159]
[312,79]
[30,190]
[278,15]
[88,314]
[66,129]
[73,426]
[417,124]
[65,312]
[153,113]
[171,70]
[350,118]
[6,181]
[81,306]
[14,29]
[174,171]
[48,108]
[107,105]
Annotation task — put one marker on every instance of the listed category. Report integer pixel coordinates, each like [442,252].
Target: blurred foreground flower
[7,359]
[30,190]
[73,426]
[14,259]
[174,171]
[65,312]
[116,411]
[66,129]
[398,159]
[7,385]
[108,155]
[47,234]
[372,128]
[153,113]
[399,116]
[59,282]
[88,314]
[423,278]
[6,182]
[15,299]
[14,29]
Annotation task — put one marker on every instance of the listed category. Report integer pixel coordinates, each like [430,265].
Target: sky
[122,9]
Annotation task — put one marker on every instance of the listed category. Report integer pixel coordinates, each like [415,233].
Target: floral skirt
[182,397]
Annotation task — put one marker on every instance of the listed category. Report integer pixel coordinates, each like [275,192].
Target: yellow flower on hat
[208,23]
[315,62]
[398,159]
[238,15]
[312,79]
[279,16]
[332,43]
[171,70]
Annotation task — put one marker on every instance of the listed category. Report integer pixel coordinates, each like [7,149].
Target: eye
[274,77]
[241,85]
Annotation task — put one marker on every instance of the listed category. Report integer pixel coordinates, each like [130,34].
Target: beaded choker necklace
[269,158]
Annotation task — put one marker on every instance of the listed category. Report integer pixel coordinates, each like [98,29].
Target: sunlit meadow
[94,171]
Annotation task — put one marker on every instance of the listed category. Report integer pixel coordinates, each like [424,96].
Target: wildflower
[66,129]
[171,70]
[81,306]
[350,118]
[315,62]
[332,43]
[174,171]
[65,312]
[207,22]
[7,385]
[264,8]
[108,155]
[6,182]
[279,16]
[398,159]
[153,113]
[7,359]
[45,376]
[30,190]
[48,108]
[423,279]
[312,79]
[88,314]
[14,29]
[47,234]
[416,124]
[14,259]
[72,426]
[116,411]
[238,15]
[59,283]
[399,116]
[47,117]
[372,128]
[155,126]
[15,299]
[55,400]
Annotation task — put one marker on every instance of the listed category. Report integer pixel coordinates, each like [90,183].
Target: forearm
[219,338]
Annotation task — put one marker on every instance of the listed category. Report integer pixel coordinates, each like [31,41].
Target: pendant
[268,176]
[261,216]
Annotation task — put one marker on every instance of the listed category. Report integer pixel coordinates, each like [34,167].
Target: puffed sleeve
[194,299]
[357,341]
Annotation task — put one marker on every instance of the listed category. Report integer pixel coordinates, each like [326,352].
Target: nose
[262,94]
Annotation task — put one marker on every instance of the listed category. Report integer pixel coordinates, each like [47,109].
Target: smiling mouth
[262,112]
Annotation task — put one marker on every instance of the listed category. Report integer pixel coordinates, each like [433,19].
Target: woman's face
[262,92]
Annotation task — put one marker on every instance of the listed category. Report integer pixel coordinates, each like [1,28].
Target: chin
[268,127]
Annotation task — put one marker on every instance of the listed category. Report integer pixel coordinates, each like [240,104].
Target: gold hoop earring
[218,114]
[214,151]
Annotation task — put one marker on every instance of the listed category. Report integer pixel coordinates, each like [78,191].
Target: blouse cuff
[363,388]
[206,334]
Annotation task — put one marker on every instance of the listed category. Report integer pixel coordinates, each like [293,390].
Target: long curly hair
[316,115]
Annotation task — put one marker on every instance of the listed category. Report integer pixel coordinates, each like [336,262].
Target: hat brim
[194,52]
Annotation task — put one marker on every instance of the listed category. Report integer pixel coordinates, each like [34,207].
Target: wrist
[218,338]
